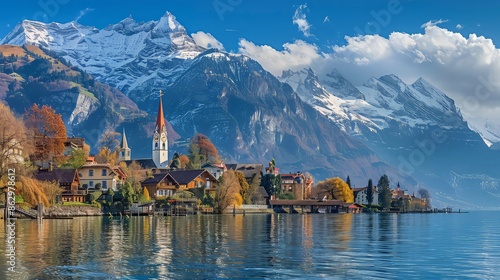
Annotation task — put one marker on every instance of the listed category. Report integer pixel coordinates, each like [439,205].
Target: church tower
[160,140]
[125,151]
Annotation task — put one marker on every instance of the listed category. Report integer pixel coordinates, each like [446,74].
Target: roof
[124,144]
[284,202]
[183,177]
[78,141]
[358,189]
[160,119]
[144,163]
[63,176]
[214,165]
[248,169]
[263,192]
[180,177]
[157,178]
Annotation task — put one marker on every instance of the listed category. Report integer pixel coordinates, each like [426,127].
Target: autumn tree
[144,197]
[135,174]
[108,147]
[201,150]
[246,190]
[184,161]
[384,192]
[227,192]
[337,189]
[369,192]
[14,146]
[48,132]
[32,191]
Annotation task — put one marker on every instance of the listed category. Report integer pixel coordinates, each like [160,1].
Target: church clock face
[156,138]
[163,137]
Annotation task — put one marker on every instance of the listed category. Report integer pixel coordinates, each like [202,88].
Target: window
[91,172]
[156,145]
[103,173]
[104,184]
[163,145]
[91,184]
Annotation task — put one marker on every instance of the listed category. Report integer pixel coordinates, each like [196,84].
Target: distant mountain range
[324,125]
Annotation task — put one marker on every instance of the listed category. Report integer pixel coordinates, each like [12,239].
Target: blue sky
[268,22]
[449,43]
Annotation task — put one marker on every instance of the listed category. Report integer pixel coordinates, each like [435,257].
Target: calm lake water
[330,246]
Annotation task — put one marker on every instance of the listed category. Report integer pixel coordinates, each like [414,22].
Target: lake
[286,246]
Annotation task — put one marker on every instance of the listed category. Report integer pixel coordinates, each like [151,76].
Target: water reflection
[346,246]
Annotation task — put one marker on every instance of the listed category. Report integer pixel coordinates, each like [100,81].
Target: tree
[47,130]
[176,162]
[336,188]
[108,147]
[128,194]
[385,194]
[184,161]
[348,182]
[245,189]
[97,187]
[135,174]
[77,158]
[14,142]
[145,195]
[201,150]
[369,192]
[424,194]
[227,192]
[32,191]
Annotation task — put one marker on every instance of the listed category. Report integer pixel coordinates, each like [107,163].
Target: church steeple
[160,140]
[125,151]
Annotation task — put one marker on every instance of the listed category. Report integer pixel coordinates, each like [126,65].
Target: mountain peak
[394,81]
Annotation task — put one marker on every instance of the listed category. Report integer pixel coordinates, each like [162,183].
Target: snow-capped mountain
[133,56]
[415,127]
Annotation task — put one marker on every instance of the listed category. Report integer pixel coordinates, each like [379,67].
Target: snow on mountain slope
[377,104]
[127,55]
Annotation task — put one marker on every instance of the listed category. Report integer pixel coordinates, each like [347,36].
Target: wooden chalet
[67,179]
[167,184]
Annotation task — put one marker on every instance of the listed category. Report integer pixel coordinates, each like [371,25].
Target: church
[159,145]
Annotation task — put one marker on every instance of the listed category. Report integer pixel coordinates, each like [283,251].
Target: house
[12,153]
[249,170]
[361,196]
[67,179]
[72,144]
[167,184]
[216,169]
[92,173]
[298,184]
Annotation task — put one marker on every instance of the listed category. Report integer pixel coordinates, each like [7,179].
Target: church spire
[125,151]
[124,144]
[160,119]
[160,139]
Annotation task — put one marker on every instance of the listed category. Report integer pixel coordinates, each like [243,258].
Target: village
[61,174]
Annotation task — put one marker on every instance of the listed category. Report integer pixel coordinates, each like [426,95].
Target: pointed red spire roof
[160,119]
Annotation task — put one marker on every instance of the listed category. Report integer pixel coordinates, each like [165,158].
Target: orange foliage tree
[47,130]
[201,150]
[336,188]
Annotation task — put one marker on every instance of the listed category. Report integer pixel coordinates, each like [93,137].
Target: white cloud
[459,26]
[433,23]
[466,68]
[327,19]
[83,13]
[206,40]
[296,55]
[299,18]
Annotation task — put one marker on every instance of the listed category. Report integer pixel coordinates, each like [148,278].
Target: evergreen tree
[384,195]
[348,182]
[369,192]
